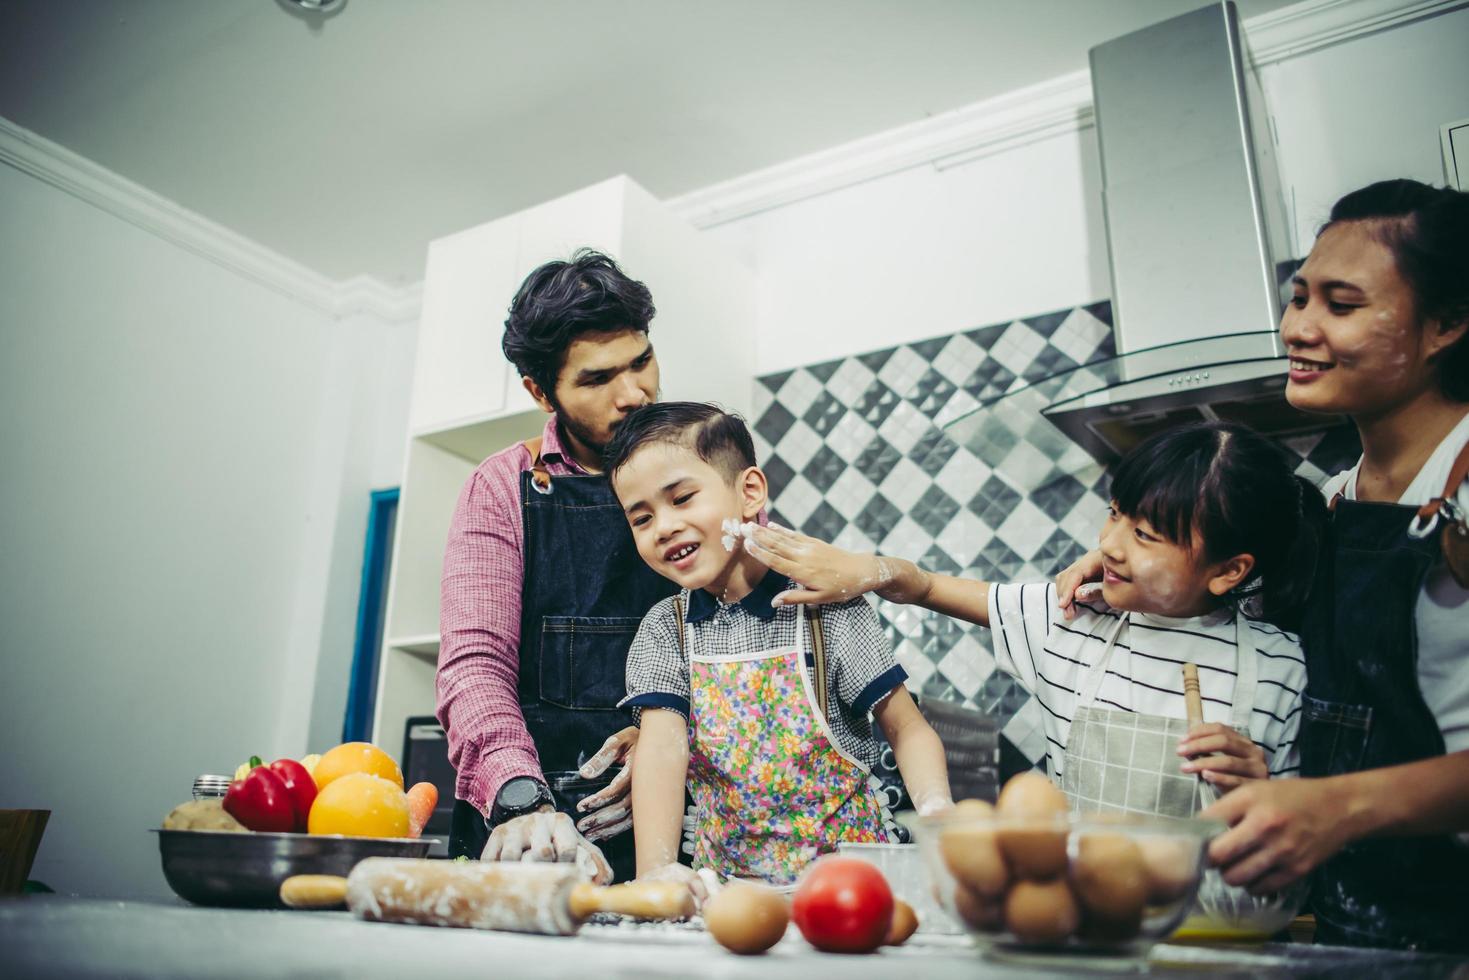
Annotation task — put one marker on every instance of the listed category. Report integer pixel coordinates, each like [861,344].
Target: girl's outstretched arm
[831,574]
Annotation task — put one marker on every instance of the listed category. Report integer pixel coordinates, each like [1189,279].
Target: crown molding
[1054,108]
[87,181]
[1315,24]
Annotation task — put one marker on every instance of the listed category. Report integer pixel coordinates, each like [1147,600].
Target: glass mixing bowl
[1102,884]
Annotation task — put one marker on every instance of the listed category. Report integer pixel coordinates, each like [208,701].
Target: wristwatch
[519,796]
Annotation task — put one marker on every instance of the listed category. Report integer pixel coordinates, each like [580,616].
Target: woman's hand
[1280,831]
[1222,756]
[1087,568]
[826,573]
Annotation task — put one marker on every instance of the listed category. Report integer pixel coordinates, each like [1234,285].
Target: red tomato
[843,905]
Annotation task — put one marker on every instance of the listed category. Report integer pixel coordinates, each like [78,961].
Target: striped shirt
[1049,657]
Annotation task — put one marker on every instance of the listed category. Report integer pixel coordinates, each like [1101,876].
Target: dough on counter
[201,815]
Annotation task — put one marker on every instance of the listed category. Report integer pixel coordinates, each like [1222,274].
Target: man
[543,588]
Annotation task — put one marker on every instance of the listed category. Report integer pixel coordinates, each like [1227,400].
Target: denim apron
[1364,709]
[584,592]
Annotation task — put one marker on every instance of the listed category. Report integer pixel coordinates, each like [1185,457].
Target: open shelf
[425,645]
[474,439]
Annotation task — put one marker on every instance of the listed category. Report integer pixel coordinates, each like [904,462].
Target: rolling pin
[550,899]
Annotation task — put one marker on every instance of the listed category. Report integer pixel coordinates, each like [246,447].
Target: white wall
[177,443]
[927,252]
[1367,110]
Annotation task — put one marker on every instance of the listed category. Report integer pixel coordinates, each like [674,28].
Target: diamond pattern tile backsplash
[856,454]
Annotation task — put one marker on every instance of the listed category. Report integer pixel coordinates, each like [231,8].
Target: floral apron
[771,787]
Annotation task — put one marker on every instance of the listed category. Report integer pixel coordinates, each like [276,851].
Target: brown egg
[747,918]
[905,924]
[978,911]
[1041,911]
[1111,881]
[1172,865]
[1038,852]
[1030,794]
[973,856]
[973,808]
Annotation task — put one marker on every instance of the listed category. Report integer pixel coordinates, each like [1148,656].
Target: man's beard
[584,435]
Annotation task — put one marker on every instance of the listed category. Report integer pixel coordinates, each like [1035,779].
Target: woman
[1376,331]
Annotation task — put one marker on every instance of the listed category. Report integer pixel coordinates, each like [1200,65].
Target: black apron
[1363,709]
[584,593]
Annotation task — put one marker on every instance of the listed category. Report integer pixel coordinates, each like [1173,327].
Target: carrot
[422,798]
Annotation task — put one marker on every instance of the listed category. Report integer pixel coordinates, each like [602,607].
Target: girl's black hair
[1427,230]
[561,301]
[1237,490]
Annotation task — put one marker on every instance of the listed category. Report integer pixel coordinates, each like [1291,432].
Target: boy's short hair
[717,437]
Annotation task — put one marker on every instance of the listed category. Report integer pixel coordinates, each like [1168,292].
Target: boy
[764,712]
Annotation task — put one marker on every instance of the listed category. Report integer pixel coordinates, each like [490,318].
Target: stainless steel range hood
[1196,228]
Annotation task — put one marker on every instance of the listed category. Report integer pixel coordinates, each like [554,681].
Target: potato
[201,815]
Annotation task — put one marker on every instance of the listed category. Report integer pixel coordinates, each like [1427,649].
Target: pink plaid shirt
[479,623]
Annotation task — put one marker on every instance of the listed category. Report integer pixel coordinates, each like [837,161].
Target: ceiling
[347,143]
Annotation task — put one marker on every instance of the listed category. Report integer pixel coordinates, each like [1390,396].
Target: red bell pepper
[300,785]
[261,801]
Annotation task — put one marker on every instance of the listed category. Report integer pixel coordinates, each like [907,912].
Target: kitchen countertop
[55,936]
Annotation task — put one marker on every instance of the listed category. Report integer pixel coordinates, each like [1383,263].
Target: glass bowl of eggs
[1030,880]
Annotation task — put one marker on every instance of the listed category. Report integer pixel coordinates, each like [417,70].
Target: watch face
[519,794]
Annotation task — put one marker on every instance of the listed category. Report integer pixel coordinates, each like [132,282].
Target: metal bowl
[245,869]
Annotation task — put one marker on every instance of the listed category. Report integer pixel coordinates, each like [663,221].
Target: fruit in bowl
[1028,875]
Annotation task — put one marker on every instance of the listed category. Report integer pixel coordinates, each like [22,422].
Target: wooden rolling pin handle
[642,900]
[314,892]
[1193,702]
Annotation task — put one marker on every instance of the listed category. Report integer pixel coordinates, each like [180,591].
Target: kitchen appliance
[1198,241]
[426,760]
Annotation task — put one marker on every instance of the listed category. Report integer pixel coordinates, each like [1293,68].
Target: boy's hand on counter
[1222,756]
[684,875]
[609,810]
[1087,568]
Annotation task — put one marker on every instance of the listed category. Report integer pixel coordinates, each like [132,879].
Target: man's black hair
[717,437]
[560,302]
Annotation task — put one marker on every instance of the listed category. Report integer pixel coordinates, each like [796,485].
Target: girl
[1204,519]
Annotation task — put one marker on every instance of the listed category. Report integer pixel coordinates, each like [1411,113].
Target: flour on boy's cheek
[736,531]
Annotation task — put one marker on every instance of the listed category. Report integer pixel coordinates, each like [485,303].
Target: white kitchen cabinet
[468,402]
